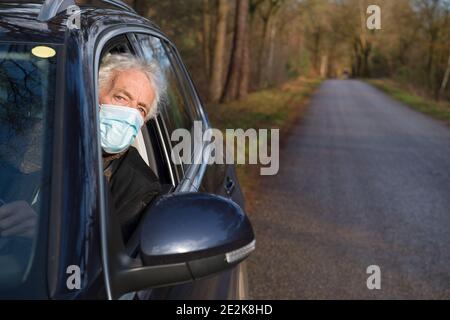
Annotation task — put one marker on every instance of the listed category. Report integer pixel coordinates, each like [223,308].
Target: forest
[233,47]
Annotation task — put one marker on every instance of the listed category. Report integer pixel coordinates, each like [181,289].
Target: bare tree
[218,62]
[430,14]
[244,81]
[233,82]
[268,16]
[206,37]
[445,79]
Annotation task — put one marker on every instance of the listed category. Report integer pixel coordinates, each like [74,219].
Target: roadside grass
[274,108]
[437,110]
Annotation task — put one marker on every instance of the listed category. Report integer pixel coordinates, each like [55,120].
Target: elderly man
[129,92]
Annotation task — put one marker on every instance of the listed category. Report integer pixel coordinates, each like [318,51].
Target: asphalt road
[363,180]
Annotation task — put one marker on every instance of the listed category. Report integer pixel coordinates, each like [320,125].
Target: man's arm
[133,187]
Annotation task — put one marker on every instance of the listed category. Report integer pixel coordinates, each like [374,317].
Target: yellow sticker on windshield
[43,52]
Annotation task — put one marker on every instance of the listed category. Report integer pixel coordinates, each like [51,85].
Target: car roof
[101,4]
[19,19]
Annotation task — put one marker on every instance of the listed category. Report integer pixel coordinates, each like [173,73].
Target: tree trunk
[357,59]
[217,67]
[246,77]
[244,82]
[364,44]
[445,79]
[236,63]
[268,21]
[271,57]
[206,37]
[430,65]
[324,66]
[316,50]
[263,51]
[366,54]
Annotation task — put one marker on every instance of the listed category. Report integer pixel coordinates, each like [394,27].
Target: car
[191,243]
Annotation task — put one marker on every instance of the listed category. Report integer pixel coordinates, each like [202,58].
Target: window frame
[193,174]
[196,171]
[180,170]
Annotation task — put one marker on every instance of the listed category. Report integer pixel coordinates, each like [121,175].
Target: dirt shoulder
[276,108]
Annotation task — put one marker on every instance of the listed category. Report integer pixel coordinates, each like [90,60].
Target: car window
[27,98]
[184,83]
[175,108]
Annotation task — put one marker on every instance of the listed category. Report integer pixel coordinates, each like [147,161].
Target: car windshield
[27,98]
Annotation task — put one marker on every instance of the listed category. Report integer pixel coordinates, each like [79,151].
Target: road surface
[363,180]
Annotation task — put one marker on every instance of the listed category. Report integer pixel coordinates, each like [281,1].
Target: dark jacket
[133,186]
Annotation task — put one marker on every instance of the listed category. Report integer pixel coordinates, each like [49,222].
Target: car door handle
[229,186]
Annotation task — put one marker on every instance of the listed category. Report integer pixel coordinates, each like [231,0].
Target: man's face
[130,88]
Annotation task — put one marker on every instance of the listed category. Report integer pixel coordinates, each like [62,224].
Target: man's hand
[17,219]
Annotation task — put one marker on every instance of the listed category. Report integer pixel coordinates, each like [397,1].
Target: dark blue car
[190,242]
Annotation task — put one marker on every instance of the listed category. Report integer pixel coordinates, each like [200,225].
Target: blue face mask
[118,127]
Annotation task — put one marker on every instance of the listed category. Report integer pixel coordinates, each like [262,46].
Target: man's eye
[143,111]
[120,98]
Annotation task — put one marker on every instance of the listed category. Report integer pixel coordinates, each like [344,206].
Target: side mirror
[184,237]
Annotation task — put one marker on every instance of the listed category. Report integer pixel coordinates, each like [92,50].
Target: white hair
[113,63]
